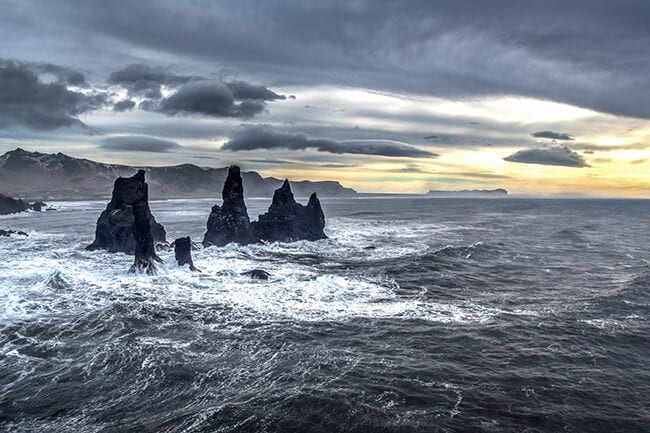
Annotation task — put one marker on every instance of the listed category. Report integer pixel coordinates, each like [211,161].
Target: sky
[544,98]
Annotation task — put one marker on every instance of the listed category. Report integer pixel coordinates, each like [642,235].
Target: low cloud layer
[559,155]
[138,143]
[264,137]
[26,101]
[552,135]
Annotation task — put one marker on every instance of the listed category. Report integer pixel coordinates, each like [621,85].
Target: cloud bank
[560,156]
[144,80]
[191,94]
[552,135]
[587,53]
[259,137]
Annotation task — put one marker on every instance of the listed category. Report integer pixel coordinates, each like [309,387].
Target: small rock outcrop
[116,226]
[257,274]
[183,252]
[7,233]
[229,222]
[289,221]
[145,253]
[10,205]
[38,206]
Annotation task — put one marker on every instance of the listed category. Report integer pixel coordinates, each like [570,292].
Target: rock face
[116,226]
[288,221]
[145,253]
[183,252]
[10,205]
[229,222]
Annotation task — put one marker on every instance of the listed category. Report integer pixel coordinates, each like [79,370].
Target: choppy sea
[416,315]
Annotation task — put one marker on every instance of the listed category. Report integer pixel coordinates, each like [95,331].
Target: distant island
[58,176]
[472,193]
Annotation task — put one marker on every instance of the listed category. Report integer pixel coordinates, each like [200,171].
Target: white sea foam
[51,273]
[71,279]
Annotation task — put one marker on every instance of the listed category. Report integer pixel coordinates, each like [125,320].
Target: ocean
[416,315]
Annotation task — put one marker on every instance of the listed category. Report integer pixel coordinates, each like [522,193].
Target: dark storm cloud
[144,80]
[588,53]
[557,155]
[138,143]
[191,94]
[257,137]
[124,105]
[201,95]
[209,98]
[552,135]
[62,73]
[26,101]
[243,90]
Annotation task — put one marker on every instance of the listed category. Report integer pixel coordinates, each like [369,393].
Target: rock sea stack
[285,221]
[229,222]
[116,226]
[183,252]
[145,253]
[288,221]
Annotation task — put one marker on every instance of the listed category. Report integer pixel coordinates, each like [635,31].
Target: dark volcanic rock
[285,221]
[229,222]
[183,252]
[288,221]
[145,253]
[38,206]
[163,246]
[7,233]
[116,225]
[257,274]
[10,205]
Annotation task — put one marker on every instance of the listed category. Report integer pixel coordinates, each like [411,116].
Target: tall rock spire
[229,222]
[145,253]
[116,225]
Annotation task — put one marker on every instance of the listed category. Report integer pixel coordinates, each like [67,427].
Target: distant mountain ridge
[59,176]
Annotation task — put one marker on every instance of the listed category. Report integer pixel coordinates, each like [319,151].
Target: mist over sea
[416,315]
